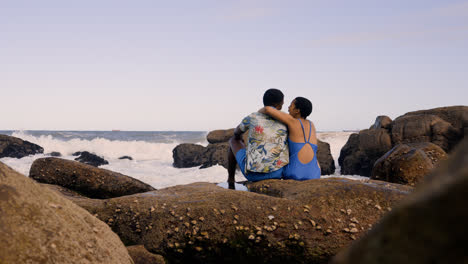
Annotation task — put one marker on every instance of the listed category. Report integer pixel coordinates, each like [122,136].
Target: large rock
[382,122]
[40,226]
[408,163]
[325,159]
[425,128]
[362,150]
[220,136]
[204,223]
[17,148]
[85,179]
[429,226]
[457,116]
[188,155]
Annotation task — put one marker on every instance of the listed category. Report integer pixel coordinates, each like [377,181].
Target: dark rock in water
[325,159]
[382,122]
[85,179]
[55,154]
[220,136]
[425,128]
[362,150]
[90,159]
[215,154]
[204,223]
[429,226]
[17,148]
[187,155]
[38,225]
[126,157]
[408,163]
[77,153]
[140,255]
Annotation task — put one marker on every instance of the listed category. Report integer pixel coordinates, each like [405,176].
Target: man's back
[267,147]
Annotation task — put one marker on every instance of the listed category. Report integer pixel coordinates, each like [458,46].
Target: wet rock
[140,255]
[85,179]
[188,155]
[408,163]
[245,227]
[17,148]
[325,159]
[126,157]
[40,226]
[429,226]
[362,150]
[90,158]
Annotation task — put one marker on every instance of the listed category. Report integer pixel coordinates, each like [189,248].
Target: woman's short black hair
[304,106]
[272,97]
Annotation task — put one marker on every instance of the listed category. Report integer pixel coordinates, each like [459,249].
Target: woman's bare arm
[283,117]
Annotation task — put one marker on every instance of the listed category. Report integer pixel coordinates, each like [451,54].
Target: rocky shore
[71,212]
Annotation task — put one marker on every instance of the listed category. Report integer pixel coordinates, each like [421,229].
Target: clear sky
[204,65]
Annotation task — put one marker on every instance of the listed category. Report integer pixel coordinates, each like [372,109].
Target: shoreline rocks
[443,126]
[17,148]
[90,158]
[85,179]
[429,226]
[203,223]
[41,226]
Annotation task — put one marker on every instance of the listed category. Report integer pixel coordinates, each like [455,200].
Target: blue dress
[297,170]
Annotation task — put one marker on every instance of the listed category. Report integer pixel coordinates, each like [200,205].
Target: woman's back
[303,163]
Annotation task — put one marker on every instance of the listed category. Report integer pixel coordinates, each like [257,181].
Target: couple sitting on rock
[279,145]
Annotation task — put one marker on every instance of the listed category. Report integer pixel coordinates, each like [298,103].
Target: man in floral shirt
[267,148]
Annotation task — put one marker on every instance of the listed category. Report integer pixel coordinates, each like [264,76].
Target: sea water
[151,152]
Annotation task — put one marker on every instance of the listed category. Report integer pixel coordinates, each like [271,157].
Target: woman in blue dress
[303,164]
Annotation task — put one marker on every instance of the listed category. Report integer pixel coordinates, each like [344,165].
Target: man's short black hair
[272,97]
[304,106]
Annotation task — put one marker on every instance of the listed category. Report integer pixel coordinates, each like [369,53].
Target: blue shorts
[255,176]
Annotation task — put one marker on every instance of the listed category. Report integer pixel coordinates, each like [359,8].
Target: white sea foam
[152,161]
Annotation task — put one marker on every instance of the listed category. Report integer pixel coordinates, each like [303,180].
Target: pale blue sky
[203,65]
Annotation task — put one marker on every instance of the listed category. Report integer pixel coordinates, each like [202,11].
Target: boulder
[140,255]
[429,226]
[215,154]
[40,226]
[220,136]
[457,116]
[382,122]
[90,158]
[408,163]
[187,155]
[17,148]
[204,223]
[325,159]
[85,179]
[425,128]
[362,150]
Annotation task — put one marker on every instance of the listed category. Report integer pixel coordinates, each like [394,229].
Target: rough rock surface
[40,226]
[90,158]
[362,150]
[220,135]
[85,179]
[408,163]
[382,122]
[429,226]
[192,155]
[140,255]
[204,223]
[17,148]
[425,128]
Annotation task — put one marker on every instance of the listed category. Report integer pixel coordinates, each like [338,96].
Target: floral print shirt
[267,149]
